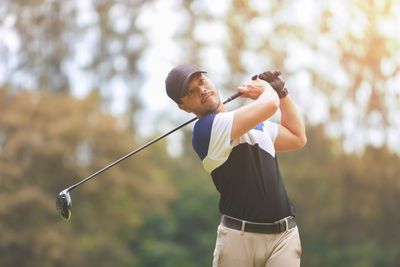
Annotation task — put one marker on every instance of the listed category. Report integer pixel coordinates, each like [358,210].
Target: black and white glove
[273,79]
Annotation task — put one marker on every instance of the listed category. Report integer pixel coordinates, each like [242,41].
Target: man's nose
[203,90]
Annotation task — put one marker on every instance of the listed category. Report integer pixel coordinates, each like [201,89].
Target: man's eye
[201,81]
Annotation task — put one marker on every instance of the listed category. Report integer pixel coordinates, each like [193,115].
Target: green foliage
[154,210]
[369,254]
[185,236]
[40,154]
[346,204]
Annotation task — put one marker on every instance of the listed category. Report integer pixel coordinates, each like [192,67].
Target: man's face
[202,98]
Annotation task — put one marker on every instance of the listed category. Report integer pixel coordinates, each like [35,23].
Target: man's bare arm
[291,133]
[249,116]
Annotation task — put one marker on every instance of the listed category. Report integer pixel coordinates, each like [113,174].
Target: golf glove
[273,79]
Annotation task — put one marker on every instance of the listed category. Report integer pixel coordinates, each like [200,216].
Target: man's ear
[182,106]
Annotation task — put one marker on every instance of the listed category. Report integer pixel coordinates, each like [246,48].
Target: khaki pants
[243,249]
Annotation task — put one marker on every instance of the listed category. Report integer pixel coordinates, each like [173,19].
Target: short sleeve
[272,129]
[220,146]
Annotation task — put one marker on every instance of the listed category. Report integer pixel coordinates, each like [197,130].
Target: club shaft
[143,147]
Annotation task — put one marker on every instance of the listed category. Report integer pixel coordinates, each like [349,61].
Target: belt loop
[243,226]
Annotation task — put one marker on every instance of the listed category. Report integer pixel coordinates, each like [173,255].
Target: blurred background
[82,84]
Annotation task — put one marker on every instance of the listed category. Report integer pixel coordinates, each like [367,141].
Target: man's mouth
[204,99]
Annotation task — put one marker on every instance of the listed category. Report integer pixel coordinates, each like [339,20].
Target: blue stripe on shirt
[202,134]
[260,127]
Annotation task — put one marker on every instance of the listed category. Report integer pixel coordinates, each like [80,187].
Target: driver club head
[64,204]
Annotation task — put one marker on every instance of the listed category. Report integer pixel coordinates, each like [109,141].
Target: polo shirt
[245,170]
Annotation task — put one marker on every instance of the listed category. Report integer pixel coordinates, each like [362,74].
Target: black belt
[263,228]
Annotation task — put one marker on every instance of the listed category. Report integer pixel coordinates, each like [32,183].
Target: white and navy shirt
[245,171]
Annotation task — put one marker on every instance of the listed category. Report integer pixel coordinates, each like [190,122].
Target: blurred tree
[160,211]
[49,141]
[74,45]
[363,84]
[186,235]
[346,204]
[155,210]
[346,208]
[338,58]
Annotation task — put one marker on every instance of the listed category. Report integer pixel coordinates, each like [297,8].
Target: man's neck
[219,109]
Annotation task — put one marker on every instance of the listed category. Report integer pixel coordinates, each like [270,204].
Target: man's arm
[291,131]
[249,116]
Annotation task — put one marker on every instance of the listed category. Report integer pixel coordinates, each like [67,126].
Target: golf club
[63,200]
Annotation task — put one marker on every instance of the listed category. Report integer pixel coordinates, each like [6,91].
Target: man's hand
[273,79]
[254,88]
[266,103]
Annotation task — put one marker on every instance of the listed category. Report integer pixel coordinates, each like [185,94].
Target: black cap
[177,81]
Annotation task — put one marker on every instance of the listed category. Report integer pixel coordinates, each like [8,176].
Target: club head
[64,204]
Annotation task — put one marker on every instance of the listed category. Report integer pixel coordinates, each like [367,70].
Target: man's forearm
[291,119]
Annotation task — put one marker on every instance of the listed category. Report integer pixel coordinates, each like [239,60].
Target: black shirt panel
[251,186]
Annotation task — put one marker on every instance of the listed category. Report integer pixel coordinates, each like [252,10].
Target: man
[238,149]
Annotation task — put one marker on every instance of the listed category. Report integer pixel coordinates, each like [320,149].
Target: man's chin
[212,108]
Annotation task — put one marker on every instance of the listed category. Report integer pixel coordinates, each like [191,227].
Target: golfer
[238,148]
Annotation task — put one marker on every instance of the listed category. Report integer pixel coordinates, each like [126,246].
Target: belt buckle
[287,223]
